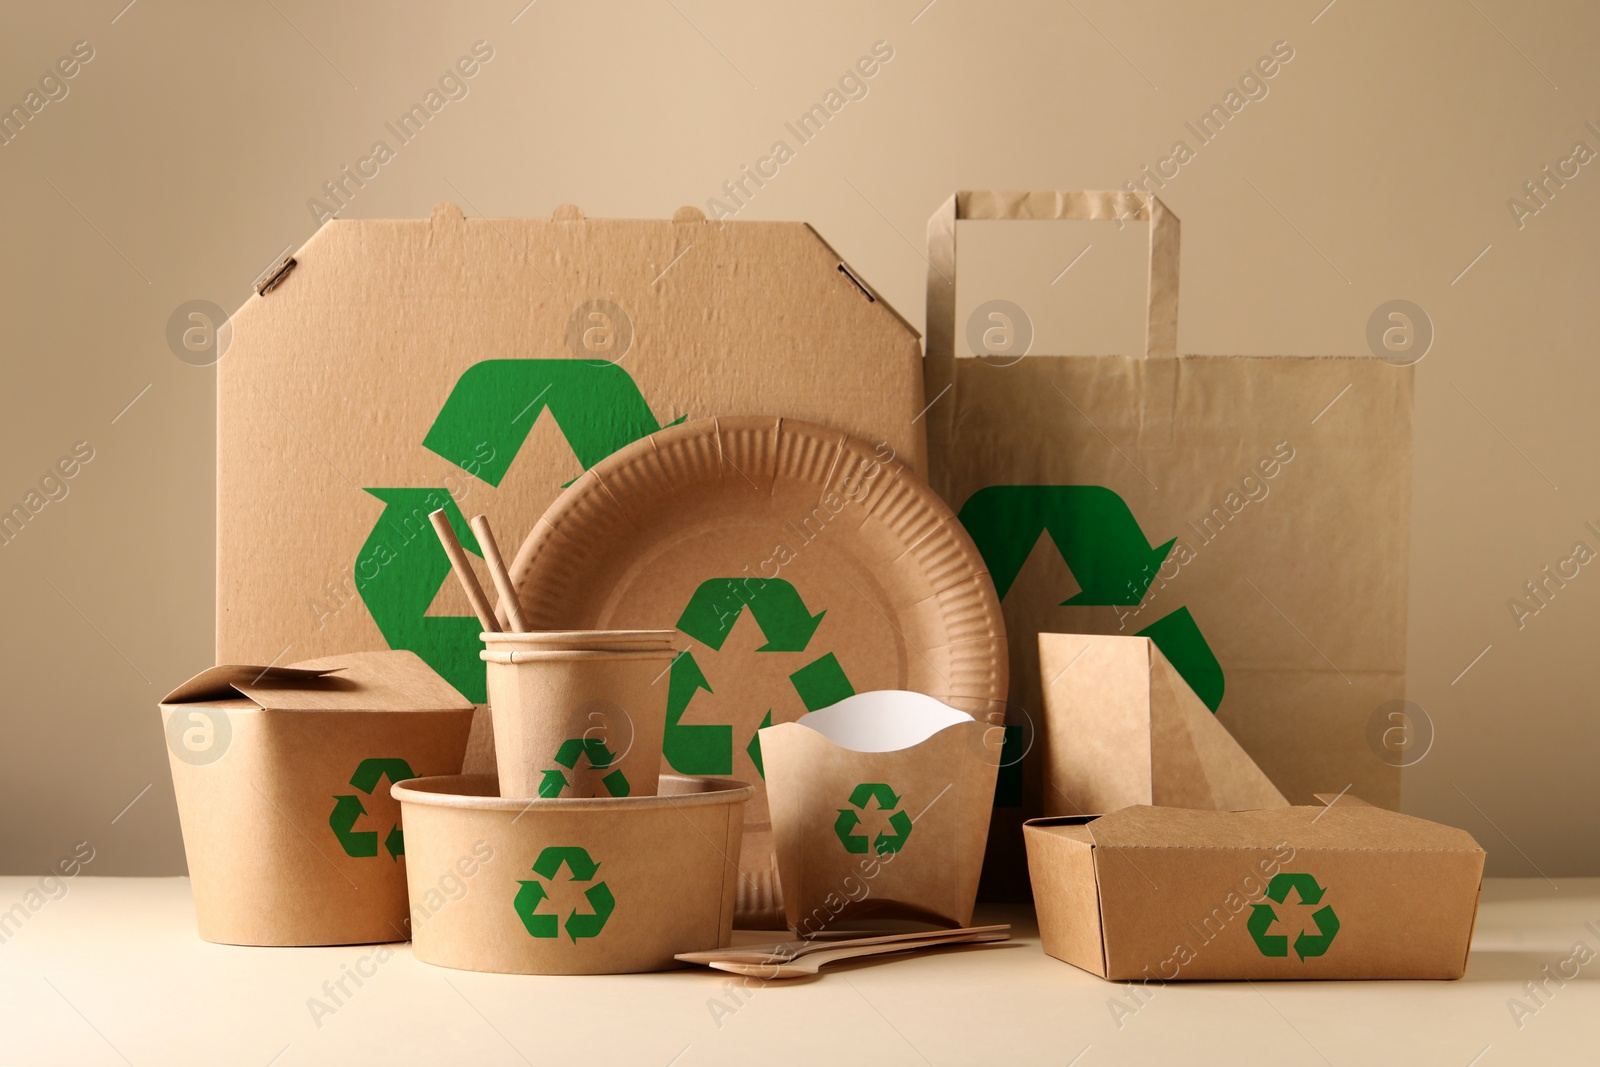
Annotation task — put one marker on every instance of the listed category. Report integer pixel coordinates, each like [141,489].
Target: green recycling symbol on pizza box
[481,428]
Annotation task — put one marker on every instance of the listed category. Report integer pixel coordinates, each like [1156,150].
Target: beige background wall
[1377,167]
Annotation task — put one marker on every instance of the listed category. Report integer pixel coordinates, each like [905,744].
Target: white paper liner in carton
[590,885]
[880,806]
[282,778]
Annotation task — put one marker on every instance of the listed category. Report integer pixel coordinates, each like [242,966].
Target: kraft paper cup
[580,641]
[570,886]
[579,723]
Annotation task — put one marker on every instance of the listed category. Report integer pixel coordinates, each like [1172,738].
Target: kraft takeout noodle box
[1343,891]
[282,776]
[880,806]
[1122,727]
[573,885]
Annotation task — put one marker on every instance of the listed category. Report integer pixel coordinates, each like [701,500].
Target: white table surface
[114,973]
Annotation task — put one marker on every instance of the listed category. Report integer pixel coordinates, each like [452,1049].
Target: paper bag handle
[1161,329]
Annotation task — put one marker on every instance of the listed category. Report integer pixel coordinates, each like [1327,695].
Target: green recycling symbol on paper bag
[481,428]
[1102,544]
[788,626]
[881,796]
[553,781]
[348,810]
[533,894]
[1262,916]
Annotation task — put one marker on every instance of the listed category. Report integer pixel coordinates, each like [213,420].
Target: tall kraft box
[479,365]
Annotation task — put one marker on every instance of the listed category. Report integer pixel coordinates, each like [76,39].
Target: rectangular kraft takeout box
[479,365]
[1226,506]
[1343,891]
[880,807]
[1122,727]
[282,776]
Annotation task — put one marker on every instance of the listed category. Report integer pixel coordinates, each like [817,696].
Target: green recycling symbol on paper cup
[554,780]
[532,895]
[865,796]
[1262,917]
[348,810]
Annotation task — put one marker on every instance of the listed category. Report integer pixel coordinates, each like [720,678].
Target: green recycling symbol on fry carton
[533,894]
[553,781]
[348,809]
[1262,916]
[849,818]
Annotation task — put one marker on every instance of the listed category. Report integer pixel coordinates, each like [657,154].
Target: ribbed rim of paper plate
[409,791]
[551,566]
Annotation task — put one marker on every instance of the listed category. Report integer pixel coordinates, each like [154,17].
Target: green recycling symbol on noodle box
[533,894]
[788,626]
[1262,916]
[348,810]
[480,429]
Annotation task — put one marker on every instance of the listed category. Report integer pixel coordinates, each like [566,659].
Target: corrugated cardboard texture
[1352,891]
[284,847]
[1282,596]
[553,341]
[1122,727]
[667,863]
[925,866]
[855,576]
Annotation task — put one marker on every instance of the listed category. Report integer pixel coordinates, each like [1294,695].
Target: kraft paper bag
[1248,514]
[880,806]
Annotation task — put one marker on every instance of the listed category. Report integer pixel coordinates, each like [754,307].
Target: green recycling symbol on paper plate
[865,795]
[348,809]
[481,428]
[1262,916]
[788,626]
[533,894]
[553,781]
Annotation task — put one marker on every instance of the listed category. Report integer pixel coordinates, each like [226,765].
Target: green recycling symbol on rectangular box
[533,894]
[492,407]
[348,810]
[881,796]
[1262,916]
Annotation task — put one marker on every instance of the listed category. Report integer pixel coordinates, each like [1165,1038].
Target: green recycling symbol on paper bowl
[862,797]
[482,426]
[594,749]
[1263,916]
[786,623]
[532,895]
[348,810]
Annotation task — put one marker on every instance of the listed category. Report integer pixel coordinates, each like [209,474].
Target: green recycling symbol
[533,893]
[788,626]
[553,781]
[844,826]
[1262,916]
[1101,543]
[481,427]
[348,809]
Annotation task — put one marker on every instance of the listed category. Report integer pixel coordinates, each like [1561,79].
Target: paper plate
[801,565]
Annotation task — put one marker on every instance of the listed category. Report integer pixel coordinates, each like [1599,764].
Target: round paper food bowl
[597,885]
[580,641]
